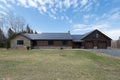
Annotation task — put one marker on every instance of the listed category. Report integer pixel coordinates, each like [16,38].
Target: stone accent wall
[14,44]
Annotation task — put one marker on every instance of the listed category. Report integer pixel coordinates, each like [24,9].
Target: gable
[20,37]
[96,34]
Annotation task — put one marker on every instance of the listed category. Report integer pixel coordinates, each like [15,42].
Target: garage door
[89,45]
[102,45]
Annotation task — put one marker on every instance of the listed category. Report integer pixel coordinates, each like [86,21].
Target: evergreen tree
[36,32]
[28,30]
[31,31]
[2,38]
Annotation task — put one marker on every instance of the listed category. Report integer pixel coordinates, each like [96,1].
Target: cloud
[4,1]
[75,3]
[3,8]
[59,5]
[42,9]
[52,16]
[67,3]
[32,3]
[114,16]
[66,10]
[23,3]
[86,16]
[12,1]
[62,17]
[113,33]
[77,27]
[3,13]
[53,11]
[54,7]
[110,15]
[84,2]
[87,8]
[83,27]
[105,23]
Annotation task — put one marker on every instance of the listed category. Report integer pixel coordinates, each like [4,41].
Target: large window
[97,35]
[50,42]
[64,42]
[20,42]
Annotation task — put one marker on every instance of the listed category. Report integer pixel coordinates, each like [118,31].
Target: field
[57,65]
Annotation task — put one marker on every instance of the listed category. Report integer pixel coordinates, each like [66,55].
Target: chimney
[69,32]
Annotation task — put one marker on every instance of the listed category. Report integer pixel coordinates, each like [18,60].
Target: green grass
[57,65]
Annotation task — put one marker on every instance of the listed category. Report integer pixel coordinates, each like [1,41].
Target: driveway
[112,52]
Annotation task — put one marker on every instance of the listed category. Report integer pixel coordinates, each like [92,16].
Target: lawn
[57,65]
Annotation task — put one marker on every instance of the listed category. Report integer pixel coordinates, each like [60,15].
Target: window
[34,43]
[97,35]
[64,42]
[20,42]
[50,42]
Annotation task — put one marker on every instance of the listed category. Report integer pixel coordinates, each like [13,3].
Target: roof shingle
[49,36]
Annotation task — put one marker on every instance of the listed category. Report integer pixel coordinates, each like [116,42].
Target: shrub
[61,48]
[28,47]
[7,44]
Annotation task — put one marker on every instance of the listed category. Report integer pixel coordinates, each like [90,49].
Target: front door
[76,45]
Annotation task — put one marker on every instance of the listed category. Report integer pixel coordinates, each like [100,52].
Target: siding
[57,44]
[101,38]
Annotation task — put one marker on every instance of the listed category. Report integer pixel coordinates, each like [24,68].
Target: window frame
[97,35]
[20,42]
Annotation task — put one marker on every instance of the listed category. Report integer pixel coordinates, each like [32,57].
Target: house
[93,39]
[43,40]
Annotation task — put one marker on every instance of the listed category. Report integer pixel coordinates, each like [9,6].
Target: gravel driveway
[112,52]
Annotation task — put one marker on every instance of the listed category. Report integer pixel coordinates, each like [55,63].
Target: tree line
[10,26]
[116,43]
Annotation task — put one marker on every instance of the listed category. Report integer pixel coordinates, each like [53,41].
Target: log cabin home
[92,40]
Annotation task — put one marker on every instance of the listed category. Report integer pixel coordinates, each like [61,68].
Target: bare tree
[118,42]
[16,23]
[115,43]
[3,24]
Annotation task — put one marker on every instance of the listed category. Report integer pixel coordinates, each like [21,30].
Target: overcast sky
[76,16]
